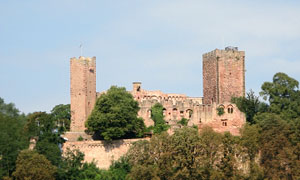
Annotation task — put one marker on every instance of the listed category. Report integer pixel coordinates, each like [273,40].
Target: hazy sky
[157,42]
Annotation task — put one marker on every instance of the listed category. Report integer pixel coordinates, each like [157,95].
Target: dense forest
[268,148]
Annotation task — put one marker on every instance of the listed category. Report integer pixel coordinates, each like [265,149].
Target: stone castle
[223,78]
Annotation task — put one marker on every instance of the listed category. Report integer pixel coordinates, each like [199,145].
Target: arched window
[189,112]
[230,109]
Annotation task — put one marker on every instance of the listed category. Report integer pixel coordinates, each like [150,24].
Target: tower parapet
[83,90]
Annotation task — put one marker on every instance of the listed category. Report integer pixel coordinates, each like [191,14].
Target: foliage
[43,126]
[220,111]
[62,116]
[158,118]
[50,150]
[278,156]
[250,140]
[117,171]
[283,95]
[185,155]
[32,166]
[40,124]
[8,109]
[250,105]
[115,116]
[71,165]
[183,122]
[13,139]
[228,164]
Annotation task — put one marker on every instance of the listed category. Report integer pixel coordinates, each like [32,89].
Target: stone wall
[232,120]
[101,152]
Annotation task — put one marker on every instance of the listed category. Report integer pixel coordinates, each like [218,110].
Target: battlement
[228,52]
[90,61]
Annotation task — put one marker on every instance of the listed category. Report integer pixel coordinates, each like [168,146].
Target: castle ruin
[223,78]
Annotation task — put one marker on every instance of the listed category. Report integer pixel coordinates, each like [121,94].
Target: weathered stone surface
[83,91]
[223,75]
[101,152]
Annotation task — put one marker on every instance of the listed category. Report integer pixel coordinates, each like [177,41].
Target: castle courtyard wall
[101,152]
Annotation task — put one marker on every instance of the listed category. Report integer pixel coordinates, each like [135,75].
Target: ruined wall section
[232,120]
[176,106]
[83,90]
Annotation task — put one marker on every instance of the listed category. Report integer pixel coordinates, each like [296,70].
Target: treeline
[268,148]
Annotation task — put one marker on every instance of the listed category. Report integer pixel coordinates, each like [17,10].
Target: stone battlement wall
[101,152]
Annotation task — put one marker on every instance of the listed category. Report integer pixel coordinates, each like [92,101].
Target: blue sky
[158,42]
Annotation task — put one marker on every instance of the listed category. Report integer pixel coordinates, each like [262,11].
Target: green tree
[210,156]
[250,105]
[115,116]
[277,157]
[8,109]
[117,171]
[250,141]
[32,166]
[71,165]
[13,139]
[50,150]
[40,124]
[283,95]
[228,164]
[158,118]
[185,155]
[44,127]
[62,116]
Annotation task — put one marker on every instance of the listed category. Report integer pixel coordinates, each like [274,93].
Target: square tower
[83,91]
[223,75]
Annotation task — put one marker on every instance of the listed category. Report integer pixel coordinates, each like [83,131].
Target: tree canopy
[33,166]
[283,96]
[250,105]
[115,116]
[62,116]
[13,138]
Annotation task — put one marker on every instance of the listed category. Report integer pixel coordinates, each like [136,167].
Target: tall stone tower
[83,90]
[223,75]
